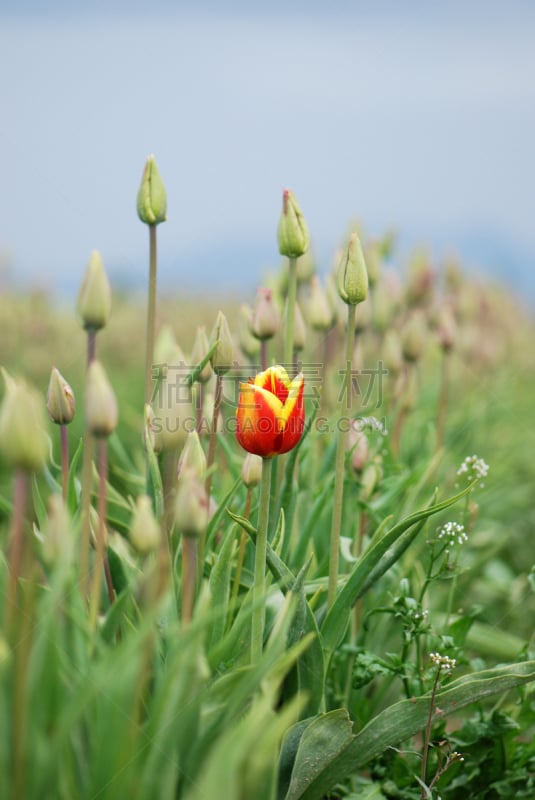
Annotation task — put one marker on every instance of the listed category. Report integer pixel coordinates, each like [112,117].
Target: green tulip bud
[57,535]
[446,328]
[249,345]
[145,533]
[413,337]
[94,298]
[100,402]
[23,439]
[222,356]
[151,197]
[60,401]
[191,505]
[319,313]
[352,274]
[193,457]
[251,471]
[201,347]
[292,232]
[173,413]
[299,327]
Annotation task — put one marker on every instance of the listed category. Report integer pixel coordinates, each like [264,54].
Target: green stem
[189,569]
[241,552]
[427,735]
[87,480]
[210,458]
[16,554]
[259,586]
[443,400]
[101,555]
[151,313]
[290,313]
[64,439]
[339,464]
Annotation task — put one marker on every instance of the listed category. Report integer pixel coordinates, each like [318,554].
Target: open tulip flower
[271,413]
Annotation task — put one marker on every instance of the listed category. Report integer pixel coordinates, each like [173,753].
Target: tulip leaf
[154,477]
[376,560]
[322,742]
[194,374]
[73,483]
[399,722]
[219,582]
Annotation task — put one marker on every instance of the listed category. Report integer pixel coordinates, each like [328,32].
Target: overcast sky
[412,114]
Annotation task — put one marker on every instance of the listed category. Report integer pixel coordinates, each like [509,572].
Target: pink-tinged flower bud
[266,318]
[101,409]
[359,448]
[292,233]
[446,328]
[145,533]
[94,298]
[223,355]
[192,457]
[413,337]
[319,312]
[249,345]
[352,274]
[60,401]
[251,471]
[151,197]
[24,442]
[191,505]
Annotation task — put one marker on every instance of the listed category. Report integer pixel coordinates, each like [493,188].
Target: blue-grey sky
[410,114]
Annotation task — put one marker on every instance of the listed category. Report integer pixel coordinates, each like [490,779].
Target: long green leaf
[406,718]
[374,563]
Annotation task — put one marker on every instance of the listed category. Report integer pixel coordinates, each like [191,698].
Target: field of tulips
[281,550]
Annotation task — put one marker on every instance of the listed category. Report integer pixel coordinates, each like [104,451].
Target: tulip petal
[274,380]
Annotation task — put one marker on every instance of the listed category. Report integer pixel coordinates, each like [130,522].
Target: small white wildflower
[371,423]
[453,532]
[445,662]
[473,468]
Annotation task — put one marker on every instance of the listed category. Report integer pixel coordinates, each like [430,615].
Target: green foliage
[140,699]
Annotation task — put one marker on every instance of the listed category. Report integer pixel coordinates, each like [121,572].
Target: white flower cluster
[445,662]
[454,532]
[473,468]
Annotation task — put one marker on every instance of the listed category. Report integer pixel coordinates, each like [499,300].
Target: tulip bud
[373,262]
[292,232]
[192,457]
[420,280]
[372,475]
[352,273]
[446,329]
[359,447]
[413,337]
[100,403]
[151,197]
[191,505]
[391,352]
[148,430]
[60,400]
[251,471]
[319,312]
[23,439]
[299,327]
[249,345]
[223,354]
[266,319]
[57,535]
[94,298]
[145,533]
[201,347]
[173,414]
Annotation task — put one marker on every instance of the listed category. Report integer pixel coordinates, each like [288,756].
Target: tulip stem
[101,555]
[259,585]
[189,569]
[340,456]
[211,457]
[64,440]
[241,552]
[16,553]
[290,313]
[151,312]
[87,480]
[91,345]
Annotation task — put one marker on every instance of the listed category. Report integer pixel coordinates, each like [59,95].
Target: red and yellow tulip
[271,413]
